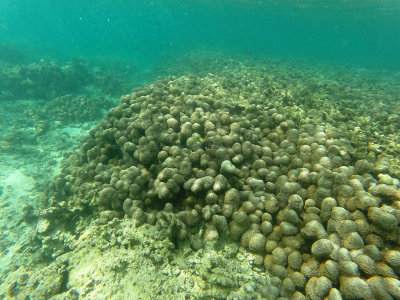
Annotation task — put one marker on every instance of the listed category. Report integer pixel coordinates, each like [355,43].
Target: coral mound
[197,157]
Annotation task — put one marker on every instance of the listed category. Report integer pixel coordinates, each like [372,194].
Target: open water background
[360,33]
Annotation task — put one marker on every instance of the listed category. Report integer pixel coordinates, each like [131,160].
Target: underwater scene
[198,149]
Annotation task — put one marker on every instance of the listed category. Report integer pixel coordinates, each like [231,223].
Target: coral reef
[241,156]
[48,79]
[72,109]
[44,80]
[39,119]
[12,54]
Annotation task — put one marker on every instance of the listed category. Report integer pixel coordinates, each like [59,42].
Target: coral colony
[204,163]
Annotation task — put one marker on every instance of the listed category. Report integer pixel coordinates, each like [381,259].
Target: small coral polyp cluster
[188,155]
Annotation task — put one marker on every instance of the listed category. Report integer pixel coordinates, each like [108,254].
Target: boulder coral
[185,154]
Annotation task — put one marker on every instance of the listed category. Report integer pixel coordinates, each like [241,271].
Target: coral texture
[190,155]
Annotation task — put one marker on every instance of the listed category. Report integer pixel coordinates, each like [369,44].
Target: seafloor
[225,178]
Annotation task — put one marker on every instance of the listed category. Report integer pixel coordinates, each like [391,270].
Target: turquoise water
[365,33]
[202,149]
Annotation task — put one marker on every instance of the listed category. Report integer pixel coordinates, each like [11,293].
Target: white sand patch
[18,189]
[17,185]
[20,181]
[73,131]
[78,131]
